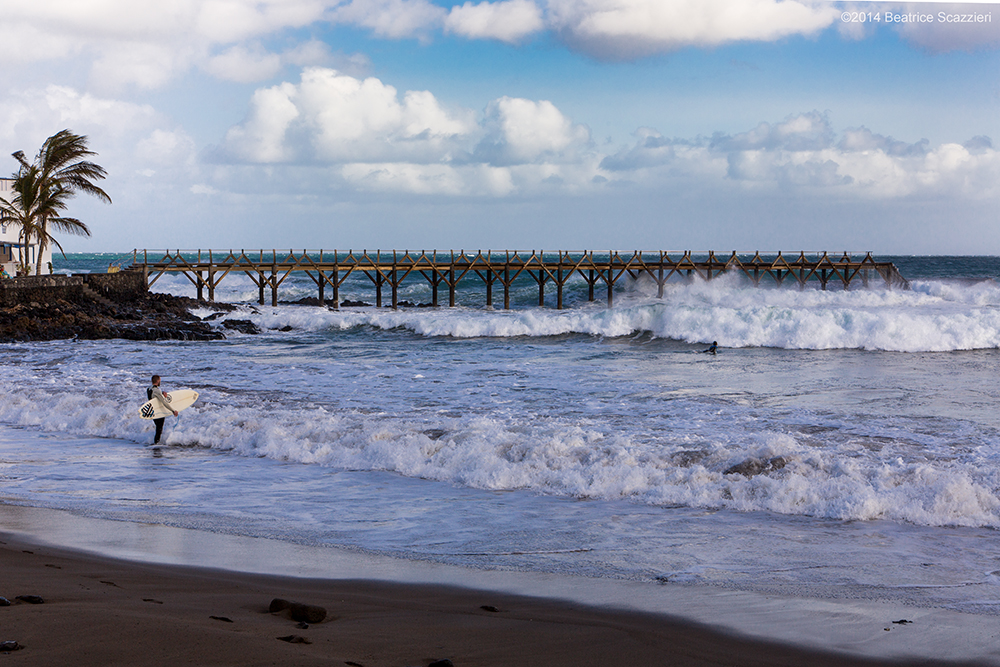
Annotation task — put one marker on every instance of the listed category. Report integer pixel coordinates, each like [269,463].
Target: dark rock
[348,303]
[902,621]
[489,607]
[146,317]
[224,619]
[287,327]
[30,599]
[277,604]
[4,602]
[752,467]
[305,301]
[302,626]
[305,613]
[243,326]
[9,646]
[442,663]
[295,639]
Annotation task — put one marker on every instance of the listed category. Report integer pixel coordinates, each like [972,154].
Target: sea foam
[934,316]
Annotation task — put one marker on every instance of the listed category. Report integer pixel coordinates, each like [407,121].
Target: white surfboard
[179,399]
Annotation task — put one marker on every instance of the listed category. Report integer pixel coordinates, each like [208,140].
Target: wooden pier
[206,269]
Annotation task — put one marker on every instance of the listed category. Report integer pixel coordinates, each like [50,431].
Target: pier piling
[206,270]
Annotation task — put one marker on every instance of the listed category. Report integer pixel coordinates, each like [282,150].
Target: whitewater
[840,444]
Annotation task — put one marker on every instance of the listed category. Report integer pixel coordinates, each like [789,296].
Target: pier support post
[541,288]
[378,288]
[611,286]
[260,287]
[322,287]
[395,289]
[506,287]
[336,281]
[451,285]
[274,284]
[201,286]
[590,284]
[559,289]
[489,288]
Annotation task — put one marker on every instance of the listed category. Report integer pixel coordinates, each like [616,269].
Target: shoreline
[387,612]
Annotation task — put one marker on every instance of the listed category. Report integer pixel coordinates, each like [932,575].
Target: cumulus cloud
[147,43]
[521,131]
[166,147]
[378,138]
[392,18]
[947,35]
[621,29]
[331,117]
[30,116]
[335,118]
[804,151]
[508,21]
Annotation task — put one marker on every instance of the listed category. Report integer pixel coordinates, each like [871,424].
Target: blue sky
[572,124]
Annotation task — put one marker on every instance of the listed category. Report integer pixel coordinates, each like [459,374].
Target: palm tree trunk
[42,243]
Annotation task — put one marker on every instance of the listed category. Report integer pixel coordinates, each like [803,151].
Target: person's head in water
[156,380]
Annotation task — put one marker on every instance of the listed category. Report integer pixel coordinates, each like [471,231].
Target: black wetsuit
[158,422]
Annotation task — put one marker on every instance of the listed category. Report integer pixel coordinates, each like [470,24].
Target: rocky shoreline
[153,317]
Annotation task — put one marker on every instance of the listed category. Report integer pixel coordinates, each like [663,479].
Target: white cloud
[392,18]
[634,28]
[147,43]
[136,63]
[944,35]
[508,21]
[335,118]
[803,151]
[166,147]
[30,116]
[379,139]
[261,137]
[244,64]
[521,130]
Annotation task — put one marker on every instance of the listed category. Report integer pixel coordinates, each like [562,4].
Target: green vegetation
[43,187]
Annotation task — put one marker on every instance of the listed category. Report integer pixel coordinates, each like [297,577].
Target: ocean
[840,445]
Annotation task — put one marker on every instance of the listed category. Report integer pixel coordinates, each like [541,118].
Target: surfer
[164,399]
[712,348]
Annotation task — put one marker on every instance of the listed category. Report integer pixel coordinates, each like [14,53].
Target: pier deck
[206,269]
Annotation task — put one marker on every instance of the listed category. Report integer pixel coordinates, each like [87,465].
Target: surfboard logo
[147,411]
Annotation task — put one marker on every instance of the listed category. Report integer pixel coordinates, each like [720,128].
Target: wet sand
[99,610]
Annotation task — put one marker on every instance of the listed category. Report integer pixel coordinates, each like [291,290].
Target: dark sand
[102,611]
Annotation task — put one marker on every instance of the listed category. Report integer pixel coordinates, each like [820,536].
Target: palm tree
[44,186]
[20,211]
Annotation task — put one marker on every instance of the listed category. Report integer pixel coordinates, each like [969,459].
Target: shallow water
[587,441]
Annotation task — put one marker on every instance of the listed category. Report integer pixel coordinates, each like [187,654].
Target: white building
[10,242]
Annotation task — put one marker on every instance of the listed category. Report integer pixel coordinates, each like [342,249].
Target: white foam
[567,457]
[932,317]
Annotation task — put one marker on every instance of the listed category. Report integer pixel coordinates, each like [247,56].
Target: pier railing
[268,269]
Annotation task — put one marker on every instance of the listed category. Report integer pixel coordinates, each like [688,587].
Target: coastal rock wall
[95,306]
[40,289]
[122,287]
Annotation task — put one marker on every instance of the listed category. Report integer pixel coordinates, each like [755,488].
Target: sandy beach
[104,611]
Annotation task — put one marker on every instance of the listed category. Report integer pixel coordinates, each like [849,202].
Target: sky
[518,124]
